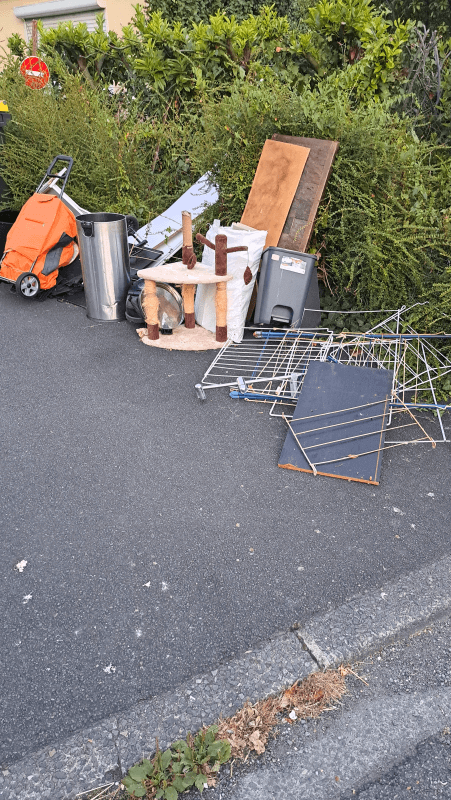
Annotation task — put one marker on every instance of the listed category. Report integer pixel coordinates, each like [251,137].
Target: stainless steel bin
[103,242]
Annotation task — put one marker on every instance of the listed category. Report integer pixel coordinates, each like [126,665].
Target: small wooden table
[179,274]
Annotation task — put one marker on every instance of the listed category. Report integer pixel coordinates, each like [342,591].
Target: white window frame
[60,11]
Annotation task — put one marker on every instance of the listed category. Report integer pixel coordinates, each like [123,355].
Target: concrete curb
[105,751]
[368,622]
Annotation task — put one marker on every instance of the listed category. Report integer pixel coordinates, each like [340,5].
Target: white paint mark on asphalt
[26,599]
[164,586]
[109,669]
[398,511]
[147,584]
[431,494]
[138,633]
[20,566]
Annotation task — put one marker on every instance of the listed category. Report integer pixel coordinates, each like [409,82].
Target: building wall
[118,13]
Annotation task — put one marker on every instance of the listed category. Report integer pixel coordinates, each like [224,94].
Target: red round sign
[35,72]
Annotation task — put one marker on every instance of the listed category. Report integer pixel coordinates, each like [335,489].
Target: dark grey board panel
[341,412]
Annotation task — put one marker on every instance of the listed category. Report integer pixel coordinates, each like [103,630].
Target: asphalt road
[159,534]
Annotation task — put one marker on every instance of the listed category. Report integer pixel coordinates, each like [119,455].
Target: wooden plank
[299,223]
[339,423]
[275,182]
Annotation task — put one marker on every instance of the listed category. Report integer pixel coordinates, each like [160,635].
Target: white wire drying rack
[269,365]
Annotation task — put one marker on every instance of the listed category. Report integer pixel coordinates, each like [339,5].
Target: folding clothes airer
[270,365]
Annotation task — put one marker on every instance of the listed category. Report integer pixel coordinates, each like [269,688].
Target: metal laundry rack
[269,365]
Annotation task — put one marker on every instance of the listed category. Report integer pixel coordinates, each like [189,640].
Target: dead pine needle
[102,795]
[95,789]
[348,671]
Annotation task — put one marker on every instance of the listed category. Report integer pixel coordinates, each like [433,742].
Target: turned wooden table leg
[150,308]
[221,311]
[188,255]
[188,292]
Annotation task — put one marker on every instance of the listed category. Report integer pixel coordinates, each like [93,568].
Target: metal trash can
[103,243]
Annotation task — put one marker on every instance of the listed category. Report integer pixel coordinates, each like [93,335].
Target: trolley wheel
[28,285]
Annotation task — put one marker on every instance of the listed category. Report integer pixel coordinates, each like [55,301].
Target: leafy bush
[434,14]
[426,93]
[170,65]
[122,162]
[189,11]
[383,227]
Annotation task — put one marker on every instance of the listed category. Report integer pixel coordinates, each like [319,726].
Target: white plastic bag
[238,294]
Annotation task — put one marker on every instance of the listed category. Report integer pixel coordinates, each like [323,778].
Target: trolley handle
[50,174]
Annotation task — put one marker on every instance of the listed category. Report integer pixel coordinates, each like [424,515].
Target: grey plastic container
[103,243]
[287,280]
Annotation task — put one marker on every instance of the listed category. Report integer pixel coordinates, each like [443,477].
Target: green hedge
[383,227]
[122,162]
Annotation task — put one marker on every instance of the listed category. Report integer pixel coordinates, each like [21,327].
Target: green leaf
[171,793]
[138,789]
[133,786]
[180,783]
[180,744]
[166,759]
[190,777]
[199,782]
[139,773]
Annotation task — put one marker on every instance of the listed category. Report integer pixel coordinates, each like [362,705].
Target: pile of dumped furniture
[341,397]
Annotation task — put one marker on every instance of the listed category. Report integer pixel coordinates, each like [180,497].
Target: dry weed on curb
[250,728]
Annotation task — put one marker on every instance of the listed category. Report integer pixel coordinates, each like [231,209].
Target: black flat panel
[341,412]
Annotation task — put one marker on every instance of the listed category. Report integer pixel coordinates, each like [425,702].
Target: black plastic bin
[7,219]
[288,284]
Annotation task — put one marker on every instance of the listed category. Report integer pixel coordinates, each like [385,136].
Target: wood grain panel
[299,222]
[274,186]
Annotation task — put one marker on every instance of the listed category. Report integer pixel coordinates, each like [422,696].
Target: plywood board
[273,188]
[300,219]
[339,422]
